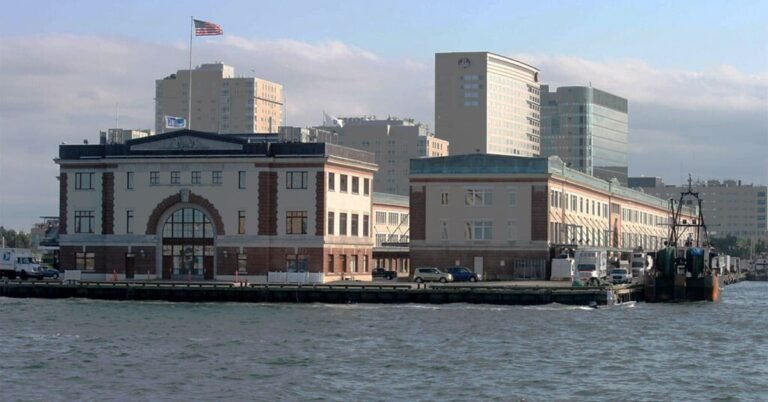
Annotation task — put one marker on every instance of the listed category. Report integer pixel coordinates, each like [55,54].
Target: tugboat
[681,271]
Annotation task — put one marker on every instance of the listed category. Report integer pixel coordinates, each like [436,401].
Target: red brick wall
[107,203]
[418,218]
[268,203]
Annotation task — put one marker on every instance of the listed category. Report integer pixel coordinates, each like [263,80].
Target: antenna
[117,114]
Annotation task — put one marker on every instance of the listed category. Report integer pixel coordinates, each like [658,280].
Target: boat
[682,269]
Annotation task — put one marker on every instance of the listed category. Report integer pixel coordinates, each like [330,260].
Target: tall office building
[487,103]
[394,141]
[221,102]
[587,128]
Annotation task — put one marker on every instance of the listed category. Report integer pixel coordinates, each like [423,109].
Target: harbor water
[76,349]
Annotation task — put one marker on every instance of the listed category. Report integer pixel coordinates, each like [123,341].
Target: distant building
[729,207]
[121,135]
[304,134]
[588,129]
[487,103]
[635,182]
[394,141]
[221,102]
[206,206]
[507,216]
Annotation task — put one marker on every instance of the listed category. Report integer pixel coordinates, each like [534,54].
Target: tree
[15,239]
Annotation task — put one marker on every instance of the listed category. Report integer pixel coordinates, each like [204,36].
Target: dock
[501,293]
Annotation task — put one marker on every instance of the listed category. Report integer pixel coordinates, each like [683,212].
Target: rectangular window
[381,218]
[84,181]
[296,180]
[366,222]
[128,221]
[296,263]
[216,177]
[343,183]
[355,185]
[353,263]
[355,223]
[331,183]
[404,219]
[196,177]
[240,222]
[175,177]
[241,179]
[477,230]
[365,263]
[444,230]
[84,221]
[343,224]
[331,222]
[85,261]
[330,263]
[393,218]
[477,197]
[129,180]
[296,222]
[154,178]
[444,198]
[242,263]
[366,186]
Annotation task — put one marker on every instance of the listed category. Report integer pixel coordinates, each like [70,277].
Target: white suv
[426,274]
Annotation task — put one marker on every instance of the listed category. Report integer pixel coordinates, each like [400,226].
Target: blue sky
[695,72]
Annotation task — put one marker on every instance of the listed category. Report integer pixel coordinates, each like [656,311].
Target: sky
[695,72]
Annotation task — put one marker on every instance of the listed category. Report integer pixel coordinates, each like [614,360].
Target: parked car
[49,272]
[620,275]
[383,273]
[461,274]
[426,274]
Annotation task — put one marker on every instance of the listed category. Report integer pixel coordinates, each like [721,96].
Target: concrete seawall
[337,293]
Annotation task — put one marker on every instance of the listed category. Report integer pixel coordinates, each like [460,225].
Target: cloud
[68,87]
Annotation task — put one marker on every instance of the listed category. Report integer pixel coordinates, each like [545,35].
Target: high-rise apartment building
[729,207]
[221,102]
[394,141]
[588,129]
[487,103]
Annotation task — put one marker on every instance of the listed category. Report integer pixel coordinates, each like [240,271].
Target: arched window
[188,223]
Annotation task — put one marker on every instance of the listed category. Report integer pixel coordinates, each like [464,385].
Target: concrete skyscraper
[221,102]
[588,129]
[487,103]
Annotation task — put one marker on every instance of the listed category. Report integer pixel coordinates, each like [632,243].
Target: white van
[19,262]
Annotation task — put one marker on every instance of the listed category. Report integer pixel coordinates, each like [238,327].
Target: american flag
[205,28]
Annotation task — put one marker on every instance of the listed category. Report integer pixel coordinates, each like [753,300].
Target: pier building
[194,205]
[507,216]
[391,232]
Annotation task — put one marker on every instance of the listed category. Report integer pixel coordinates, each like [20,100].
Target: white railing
[295,277]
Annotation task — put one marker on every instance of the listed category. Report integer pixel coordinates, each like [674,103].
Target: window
[343,224]
[175,177]
[129,180]
[353,263]
[393,218]
[343,183]
[241,179]
[355,185]
[296,222]
[128,221]
[331,222]
[366,186]
[444,198]
[331,183]
[366,222]
[84,181]
[154,178]
[444,230]
[296,180]
[381,218]
[240,222]
[365,263]
[355,223]
[85,261]
[477,197]
[296,263]
[84,221]
[477,230]
[330,263]
[404,219]
[242,262]
[195,177]
[216,177]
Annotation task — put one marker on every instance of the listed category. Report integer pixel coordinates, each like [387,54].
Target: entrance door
[479,266]
[208,267]
[167,266]
[129,265]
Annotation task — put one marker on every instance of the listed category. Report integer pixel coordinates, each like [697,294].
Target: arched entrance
[188,238]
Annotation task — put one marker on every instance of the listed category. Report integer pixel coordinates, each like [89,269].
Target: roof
[391,199]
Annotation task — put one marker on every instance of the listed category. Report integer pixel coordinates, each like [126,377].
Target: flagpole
[189,91]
